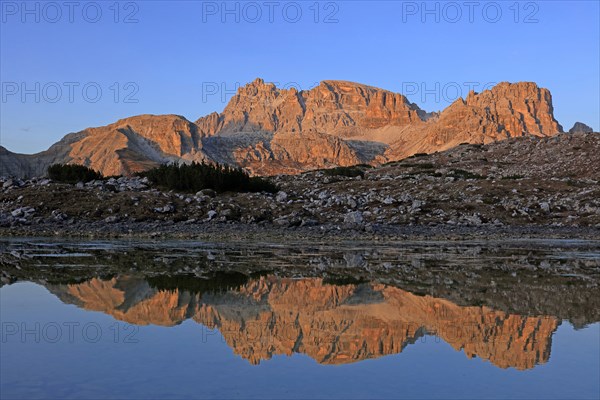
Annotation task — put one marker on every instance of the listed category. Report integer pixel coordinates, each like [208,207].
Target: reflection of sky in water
[177,362]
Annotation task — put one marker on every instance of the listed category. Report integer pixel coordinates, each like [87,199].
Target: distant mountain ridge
[268,130]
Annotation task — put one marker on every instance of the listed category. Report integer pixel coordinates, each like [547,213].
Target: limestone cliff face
[507,110]
[267,130]
[335,107]
[332,324]
[137,143]
[304,130]
[518,109]
[290,153]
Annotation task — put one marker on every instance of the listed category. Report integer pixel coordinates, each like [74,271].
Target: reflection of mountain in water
[333,324]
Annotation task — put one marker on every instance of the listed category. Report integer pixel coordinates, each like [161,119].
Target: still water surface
[194,333]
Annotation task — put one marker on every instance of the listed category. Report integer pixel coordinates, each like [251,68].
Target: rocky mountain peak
[580,127]
[514,109]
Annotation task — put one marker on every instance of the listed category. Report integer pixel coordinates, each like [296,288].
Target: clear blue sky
[179,55]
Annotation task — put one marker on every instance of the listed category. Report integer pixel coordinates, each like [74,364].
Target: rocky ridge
[269,131]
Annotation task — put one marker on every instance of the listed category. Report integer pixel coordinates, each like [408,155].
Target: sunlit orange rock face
[332,324]
[268,130]
[135,144]
[335,107]
[507,110]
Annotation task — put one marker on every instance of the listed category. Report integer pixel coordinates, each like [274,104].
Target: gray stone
[416,205]
[169,208]
[202,198]
[282,221]
[354,217]
[309,222]
[207,192]
[59,215]
[474,219]
[23,212]
[111,219]
[281,196]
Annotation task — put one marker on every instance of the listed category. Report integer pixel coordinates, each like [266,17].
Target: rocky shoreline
[522,187]
[236,232]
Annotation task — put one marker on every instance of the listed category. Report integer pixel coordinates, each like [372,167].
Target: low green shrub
[197,176]
[72,173]
[461,173]
[419,165]
[351,172]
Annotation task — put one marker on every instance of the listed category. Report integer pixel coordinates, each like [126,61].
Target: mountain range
[267,130]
